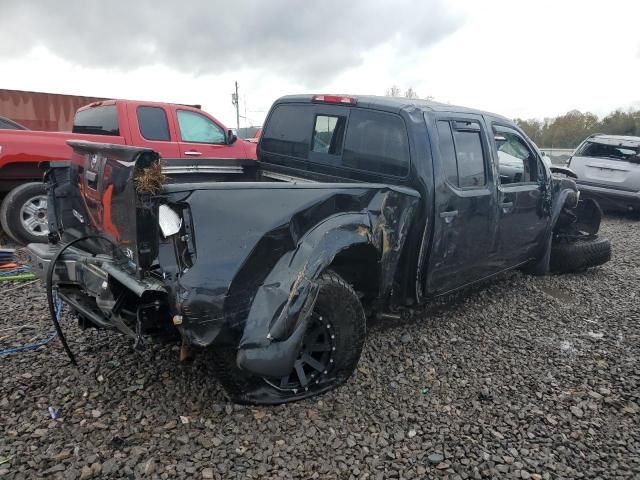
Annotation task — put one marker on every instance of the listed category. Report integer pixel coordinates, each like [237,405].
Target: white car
[608,169]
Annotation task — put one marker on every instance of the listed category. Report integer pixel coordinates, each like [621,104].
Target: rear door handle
[193,153]
[449,216]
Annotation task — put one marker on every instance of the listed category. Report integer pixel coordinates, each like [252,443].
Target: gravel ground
[528,378]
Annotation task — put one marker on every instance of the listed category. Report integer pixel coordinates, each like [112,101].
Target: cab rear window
[288,131]
[102,120]
[356,139]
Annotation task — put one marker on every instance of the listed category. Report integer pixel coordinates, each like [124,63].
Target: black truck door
[465,220]
[522,219]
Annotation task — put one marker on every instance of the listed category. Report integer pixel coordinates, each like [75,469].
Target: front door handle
[449,216]
[193,153]
[506,207]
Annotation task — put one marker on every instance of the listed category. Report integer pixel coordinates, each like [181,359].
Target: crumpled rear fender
[291,285]
[277,318]
[255,277]
[276,321]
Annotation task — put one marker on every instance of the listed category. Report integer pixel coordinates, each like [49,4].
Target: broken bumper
[611,197]
[83,279]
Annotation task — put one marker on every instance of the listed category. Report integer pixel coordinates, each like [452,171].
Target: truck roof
[394,104]
[122,100]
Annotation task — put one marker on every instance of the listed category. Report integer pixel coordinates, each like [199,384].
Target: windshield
[615,152]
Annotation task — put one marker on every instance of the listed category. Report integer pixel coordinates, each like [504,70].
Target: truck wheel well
[358,265]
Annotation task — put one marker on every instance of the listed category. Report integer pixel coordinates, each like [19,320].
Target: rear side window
[376,142]
[328,134]
[101,120]
[448,152]
[288,131]
[461,153]
[153,123]
[470,158]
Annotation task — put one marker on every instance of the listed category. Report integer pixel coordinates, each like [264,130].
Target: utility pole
[236,102]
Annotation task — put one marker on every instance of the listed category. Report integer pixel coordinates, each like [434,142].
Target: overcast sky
[525,58]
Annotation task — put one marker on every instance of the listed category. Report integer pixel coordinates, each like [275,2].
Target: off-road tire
[579,254]
[10,213]
[338,302]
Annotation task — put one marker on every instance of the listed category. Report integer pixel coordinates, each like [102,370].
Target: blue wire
[14,271]
[29,346]
[59,304]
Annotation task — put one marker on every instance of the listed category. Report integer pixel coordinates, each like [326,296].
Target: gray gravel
[528,378]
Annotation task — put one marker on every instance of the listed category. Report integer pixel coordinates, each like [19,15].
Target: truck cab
[481,181]
[174,131]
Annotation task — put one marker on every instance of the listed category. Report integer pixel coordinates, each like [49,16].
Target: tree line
[568,130]
[395,91]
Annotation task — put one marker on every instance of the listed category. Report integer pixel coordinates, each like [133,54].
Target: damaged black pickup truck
[357,206]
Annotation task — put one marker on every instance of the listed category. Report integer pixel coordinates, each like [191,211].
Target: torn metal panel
[563,171]
[255,292]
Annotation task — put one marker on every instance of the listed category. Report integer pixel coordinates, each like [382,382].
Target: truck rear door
[150,127]
[465,233]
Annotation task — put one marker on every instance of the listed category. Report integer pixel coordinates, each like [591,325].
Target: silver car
[608,169]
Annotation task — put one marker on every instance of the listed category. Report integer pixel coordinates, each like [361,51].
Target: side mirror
[231,137]
[544,154]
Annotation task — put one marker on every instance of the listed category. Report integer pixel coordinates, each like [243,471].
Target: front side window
[376,142]
[328,134]
[469,153]
[197,128]
[153,123]
[101,120]
[516,162]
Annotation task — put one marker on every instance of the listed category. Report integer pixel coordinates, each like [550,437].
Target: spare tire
[575,255]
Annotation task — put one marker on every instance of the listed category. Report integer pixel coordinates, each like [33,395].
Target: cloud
[308,41]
